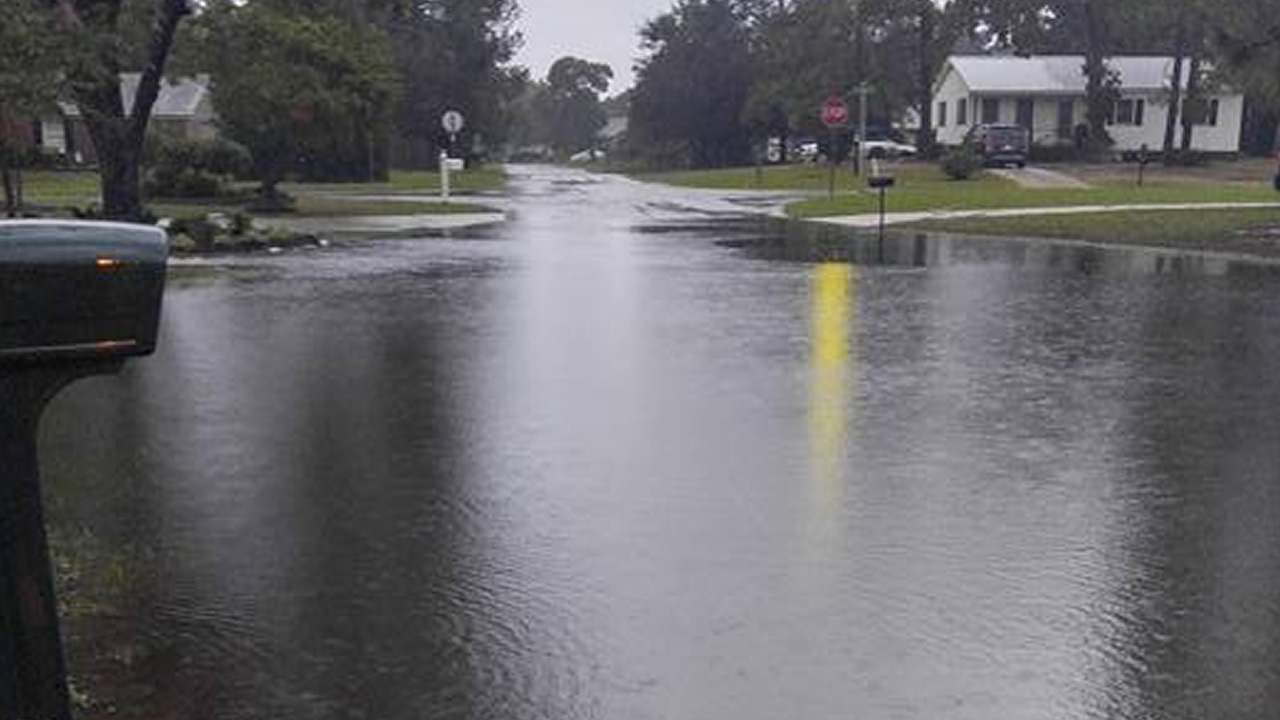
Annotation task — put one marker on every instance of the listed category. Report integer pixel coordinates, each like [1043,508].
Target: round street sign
[453,122]
[835,113]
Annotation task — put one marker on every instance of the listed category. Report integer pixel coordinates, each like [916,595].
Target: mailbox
[76,299]
[79,290]
[880,182]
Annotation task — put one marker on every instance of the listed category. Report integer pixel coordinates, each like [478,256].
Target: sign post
[453,122]
[835,115]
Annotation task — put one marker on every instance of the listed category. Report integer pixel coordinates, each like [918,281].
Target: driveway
[1041,178]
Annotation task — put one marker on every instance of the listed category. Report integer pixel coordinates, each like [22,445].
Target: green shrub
[241,223]
[201,231]
[961,163]
[192,168]
[88,212]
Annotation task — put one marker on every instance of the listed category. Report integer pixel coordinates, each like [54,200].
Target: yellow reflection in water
[831,367]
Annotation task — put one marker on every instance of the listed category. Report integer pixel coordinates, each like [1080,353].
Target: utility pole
[862,90]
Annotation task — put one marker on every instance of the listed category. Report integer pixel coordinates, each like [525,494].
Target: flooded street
[631,456]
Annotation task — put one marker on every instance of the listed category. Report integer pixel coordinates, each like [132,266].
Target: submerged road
[632,456]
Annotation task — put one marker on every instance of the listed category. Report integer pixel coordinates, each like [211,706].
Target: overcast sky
[604,31]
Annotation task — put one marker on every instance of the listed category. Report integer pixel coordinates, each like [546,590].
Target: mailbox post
[881,184]
[76,299]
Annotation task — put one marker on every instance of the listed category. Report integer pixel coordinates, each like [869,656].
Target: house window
[962,111]
[1129,112]
[942,114]
[990,110]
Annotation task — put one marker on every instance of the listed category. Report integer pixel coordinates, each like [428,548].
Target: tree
[692,89]
[103,38]
[29,84]
[804,52]
[301,92]
[927,30]
[571,103]
[454,55]
[1245,37]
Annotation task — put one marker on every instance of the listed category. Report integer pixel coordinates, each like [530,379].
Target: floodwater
[631,457]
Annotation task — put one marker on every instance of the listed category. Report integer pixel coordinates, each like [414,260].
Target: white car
[888,149]
[587,156]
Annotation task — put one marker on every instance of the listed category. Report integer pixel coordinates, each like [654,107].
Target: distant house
[1046,94]
[183,109]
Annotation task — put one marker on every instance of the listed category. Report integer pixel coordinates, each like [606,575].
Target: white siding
[950,91]
[1221,138]
[1225,136]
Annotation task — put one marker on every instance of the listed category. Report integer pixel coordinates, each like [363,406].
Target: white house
[1046,94]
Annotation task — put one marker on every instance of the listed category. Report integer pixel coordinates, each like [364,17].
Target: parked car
[1000,144]
[808,150]
[587,156]
[888,149]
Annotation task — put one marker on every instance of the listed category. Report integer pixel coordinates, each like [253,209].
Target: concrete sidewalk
[382,224]
[872,220]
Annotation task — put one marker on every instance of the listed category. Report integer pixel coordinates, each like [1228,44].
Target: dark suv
[999,144]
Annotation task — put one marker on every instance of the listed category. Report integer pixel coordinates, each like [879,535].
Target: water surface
[630,456]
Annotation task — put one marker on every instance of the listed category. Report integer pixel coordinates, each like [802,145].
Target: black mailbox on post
[76,299]
[79,291]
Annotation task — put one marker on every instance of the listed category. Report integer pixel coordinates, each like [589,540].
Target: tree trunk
[10,192]
[6,167]
[118,138]
[1175,92]
[121,190]
[1193,95]
[928,30]
[1098,100]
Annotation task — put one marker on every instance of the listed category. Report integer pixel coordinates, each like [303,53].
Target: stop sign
[835,113]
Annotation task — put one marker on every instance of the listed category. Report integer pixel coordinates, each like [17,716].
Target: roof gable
[178,100]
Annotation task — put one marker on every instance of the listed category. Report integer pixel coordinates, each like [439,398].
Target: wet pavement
[632,455]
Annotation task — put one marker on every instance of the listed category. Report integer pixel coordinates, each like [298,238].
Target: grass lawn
[1249,231]
[482,179]
[59,188]
[931,190]
[803,177]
